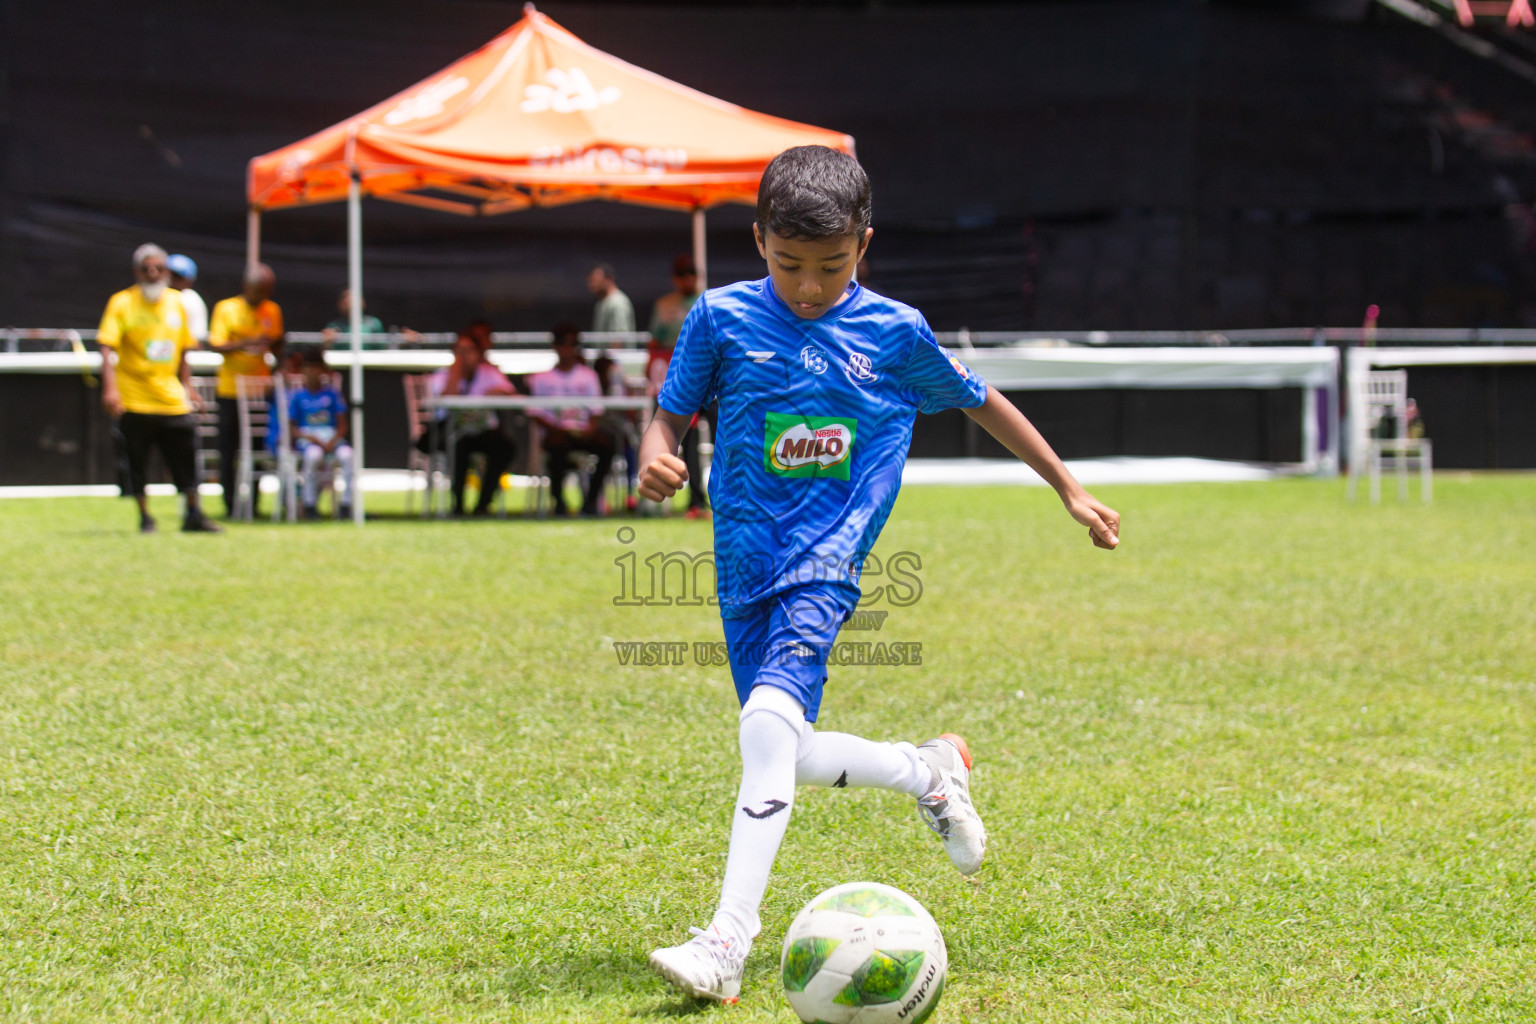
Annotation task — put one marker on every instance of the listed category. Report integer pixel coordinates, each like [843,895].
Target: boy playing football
[818,382]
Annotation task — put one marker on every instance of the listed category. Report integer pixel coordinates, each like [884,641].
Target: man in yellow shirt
[146,383]
[245,329]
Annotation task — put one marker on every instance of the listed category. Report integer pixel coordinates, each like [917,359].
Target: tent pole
[252,237]
[699,253]
[355,326]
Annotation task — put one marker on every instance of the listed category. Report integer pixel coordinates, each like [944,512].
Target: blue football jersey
[315,412]
[814,424]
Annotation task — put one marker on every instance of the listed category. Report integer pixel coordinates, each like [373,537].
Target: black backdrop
[1041,165]
[1162,164]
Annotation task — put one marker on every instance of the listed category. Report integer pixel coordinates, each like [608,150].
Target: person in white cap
[183,274]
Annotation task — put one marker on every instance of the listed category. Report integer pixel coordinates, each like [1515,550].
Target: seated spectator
[574,427]
[478,430]
[374,335]
[318,425]
[480,330]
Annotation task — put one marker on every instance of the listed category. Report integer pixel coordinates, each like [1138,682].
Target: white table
[454,405]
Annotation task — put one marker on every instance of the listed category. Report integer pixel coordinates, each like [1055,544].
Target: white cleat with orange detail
[947,807]
[708,966]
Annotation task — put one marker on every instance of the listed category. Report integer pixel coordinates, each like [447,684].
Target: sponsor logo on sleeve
[960,368]
[814,446]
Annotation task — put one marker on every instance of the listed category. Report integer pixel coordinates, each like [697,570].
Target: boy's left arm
[1003,420]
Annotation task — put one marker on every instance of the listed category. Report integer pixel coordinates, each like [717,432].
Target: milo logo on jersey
[819,446]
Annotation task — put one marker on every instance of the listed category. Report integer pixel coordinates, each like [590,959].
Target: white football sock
[771,722]
[838,759]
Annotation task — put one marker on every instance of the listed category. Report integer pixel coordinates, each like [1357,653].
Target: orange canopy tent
[535,117]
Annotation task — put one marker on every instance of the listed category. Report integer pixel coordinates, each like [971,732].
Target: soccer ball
[864,953]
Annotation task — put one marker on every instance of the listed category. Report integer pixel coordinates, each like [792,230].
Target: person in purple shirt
[818,382]
[478,430]
[572,428]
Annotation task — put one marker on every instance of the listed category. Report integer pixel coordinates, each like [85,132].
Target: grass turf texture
[1272,760]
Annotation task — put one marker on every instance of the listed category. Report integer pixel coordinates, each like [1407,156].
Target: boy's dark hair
[809,193]
[312,357]
[565,329]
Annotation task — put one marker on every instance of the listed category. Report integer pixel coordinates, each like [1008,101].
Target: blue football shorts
[785,641]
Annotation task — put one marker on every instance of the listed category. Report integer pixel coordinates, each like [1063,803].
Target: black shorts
[175,436]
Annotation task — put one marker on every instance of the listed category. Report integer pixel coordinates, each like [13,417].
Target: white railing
[62,339]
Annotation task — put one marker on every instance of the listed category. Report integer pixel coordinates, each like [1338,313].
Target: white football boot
[947,807]
[709,965]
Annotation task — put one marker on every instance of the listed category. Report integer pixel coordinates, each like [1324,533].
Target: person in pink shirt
[478,429]
[573,427]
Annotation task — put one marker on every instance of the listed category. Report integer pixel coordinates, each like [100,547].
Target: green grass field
[1273,760]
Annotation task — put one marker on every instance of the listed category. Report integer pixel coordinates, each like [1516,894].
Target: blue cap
[181,266]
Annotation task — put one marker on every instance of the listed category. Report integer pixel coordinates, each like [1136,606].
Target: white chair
[253,402]
[206,418]
[1384,404]
[287,462]
[434,468]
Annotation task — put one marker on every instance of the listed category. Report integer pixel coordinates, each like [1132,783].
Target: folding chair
[206,419]
[253,402]
[433,467]
[1388,446]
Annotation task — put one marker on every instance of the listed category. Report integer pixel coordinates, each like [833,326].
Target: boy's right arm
[689,384]
[663,473]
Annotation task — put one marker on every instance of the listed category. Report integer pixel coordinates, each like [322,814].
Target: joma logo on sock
[771,808]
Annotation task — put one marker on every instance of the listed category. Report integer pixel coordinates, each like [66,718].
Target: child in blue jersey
[818,382]
[317,423]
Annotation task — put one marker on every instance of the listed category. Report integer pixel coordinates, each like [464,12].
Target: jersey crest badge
[861,369]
